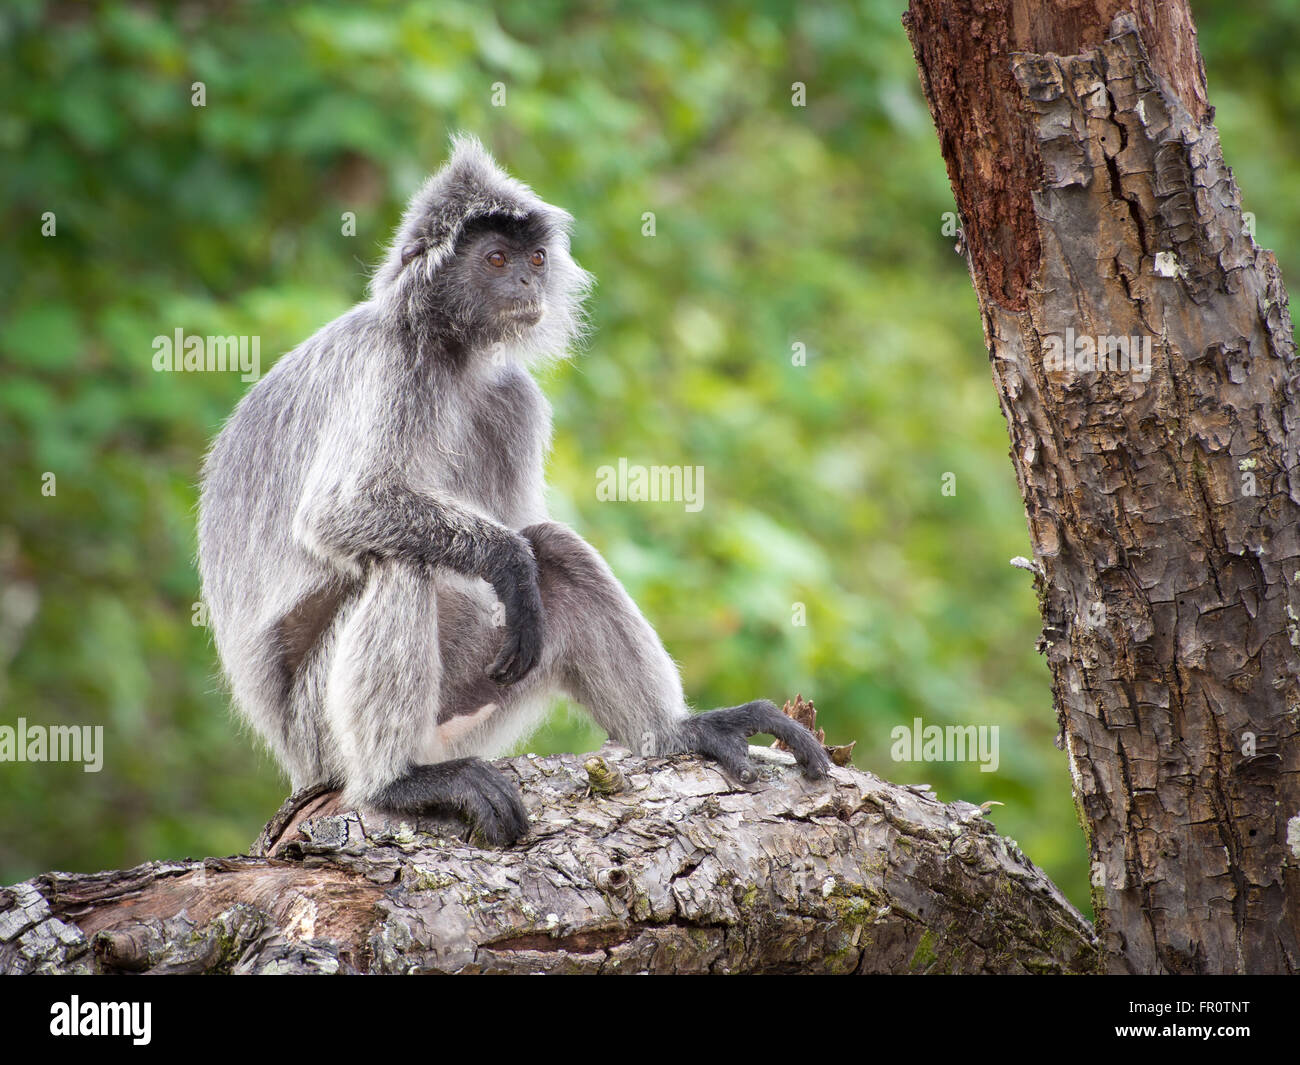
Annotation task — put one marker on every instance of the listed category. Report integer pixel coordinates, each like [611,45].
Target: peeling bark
[632,866]
[1163,510]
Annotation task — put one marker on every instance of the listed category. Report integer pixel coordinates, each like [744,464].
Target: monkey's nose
[523,280]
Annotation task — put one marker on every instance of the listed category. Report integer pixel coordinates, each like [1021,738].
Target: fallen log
[633,865]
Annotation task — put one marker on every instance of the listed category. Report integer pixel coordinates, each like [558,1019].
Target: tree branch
[632,866]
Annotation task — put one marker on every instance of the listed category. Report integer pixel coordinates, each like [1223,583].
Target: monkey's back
[252,569]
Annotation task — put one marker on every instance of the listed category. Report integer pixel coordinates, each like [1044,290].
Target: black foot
[723,735]
[470,789]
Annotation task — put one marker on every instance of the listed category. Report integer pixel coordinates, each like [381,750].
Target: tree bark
[632,866]
[1163,512]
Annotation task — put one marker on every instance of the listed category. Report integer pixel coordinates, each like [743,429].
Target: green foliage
[775,225]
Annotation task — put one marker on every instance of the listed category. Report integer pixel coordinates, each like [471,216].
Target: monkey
[390,602]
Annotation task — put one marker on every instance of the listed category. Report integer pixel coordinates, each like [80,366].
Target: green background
[775,225]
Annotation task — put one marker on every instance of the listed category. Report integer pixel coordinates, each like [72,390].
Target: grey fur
[373,497]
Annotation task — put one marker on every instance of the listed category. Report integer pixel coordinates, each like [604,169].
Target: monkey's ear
[413,250]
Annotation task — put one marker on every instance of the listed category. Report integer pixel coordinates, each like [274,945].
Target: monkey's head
[482,261]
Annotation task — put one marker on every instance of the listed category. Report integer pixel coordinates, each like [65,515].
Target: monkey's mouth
[524,313]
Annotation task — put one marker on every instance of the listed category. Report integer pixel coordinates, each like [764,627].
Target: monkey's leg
[606,655]
[598,648]
[381,703]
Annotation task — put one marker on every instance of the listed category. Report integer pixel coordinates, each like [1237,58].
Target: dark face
[498,280]
[510,272]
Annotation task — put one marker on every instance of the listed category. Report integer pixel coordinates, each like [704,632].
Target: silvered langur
[389,600]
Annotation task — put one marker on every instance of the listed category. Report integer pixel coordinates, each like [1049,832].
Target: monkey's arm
[393,520]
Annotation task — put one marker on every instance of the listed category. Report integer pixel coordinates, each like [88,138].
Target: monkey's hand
[467,788]
[516,587]
[723,735]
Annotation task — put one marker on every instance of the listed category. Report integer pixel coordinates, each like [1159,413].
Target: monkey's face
[509,286]
[500,279]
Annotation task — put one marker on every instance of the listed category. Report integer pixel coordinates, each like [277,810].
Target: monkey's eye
[539,256]
[497,259]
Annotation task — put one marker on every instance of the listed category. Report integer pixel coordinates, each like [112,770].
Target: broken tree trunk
[632,866]
[1162,500]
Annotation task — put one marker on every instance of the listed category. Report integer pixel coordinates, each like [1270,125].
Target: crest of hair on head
[472,186]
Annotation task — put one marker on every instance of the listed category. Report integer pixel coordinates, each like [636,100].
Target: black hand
[517,589]
[723,735]
[466,787]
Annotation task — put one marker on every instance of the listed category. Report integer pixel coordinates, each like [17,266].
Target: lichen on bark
[677,870]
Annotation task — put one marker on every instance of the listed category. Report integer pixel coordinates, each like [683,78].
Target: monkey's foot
[467,788]
[723,735]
